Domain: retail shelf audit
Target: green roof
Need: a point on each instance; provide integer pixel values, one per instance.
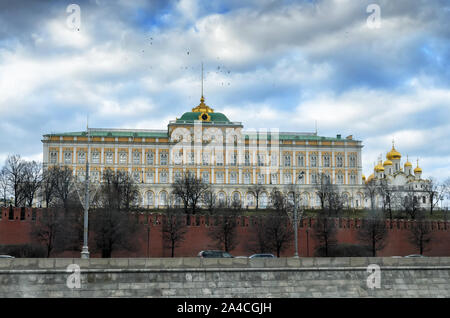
(112, 133)
(191, 116)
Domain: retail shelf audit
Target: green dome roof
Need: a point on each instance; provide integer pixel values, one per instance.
(191, 116)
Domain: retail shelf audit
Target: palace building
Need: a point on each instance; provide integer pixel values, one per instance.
(206, 143)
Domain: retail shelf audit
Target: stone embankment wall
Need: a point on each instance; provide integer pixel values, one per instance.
(238, 277)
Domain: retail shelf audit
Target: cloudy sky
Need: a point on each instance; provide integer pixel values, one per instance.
(275, 64)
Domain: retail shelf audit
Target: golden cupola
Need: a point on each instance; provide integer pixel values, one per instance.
(387, 162)
(393, 154)
(370, 178)
(417, 169)
(202, 107)
(407, 163)
(379, 167)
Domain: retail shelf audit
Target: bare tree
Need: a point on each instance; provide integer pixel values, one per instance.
(256, 190)
(259, 242)
(32, 178)
(411, 204)
(279, 231)
(189, 189)
(334, 201)
(371, 188)
(173, 229)
(49, 230)
(209, 200)
(112, 222)
(323, 189)
(434, 191)
(15, 170)
(279, 201)
(48, 186)
(421, 234)
(373, 232)
(389, 197)
(64, 185)
(4, 186)
(325, 233)
(224, 231)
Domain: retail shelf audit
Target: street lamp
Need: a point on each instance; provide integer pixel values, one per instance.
(300, 176)
(85, 249)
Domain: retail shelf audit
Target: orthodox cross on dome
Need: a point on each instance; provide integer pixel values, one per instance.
(202, 107)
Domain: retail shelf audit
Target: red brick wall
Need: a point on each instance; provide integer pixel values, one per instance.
(196, 239)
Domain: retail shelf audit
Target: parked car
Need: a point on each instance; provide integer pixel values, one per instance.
(262, 255)
(6, 256)
(415, 255)
(240, 256)
(214, 254)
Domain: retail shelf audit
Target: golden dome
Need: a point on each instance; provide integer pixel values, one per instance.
(407, 163)
(202, 107)
(370, 178)
(363, 177)
(379, 168)
(387, 163)
(393, 154)
(417, 169)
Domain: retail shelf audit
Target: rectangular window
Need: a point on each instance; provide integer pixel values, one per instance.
(261, 178)
(163, 158)
(53, 157)
(313, 160)
(68, 157)
(163, 177)
(95, 157)
(191, 158)
(233, 177)
(274, 178)
(136, 157)
(326, 161)
(287, 178)
(233, 159)
(339, 161)
(149, 177)
(274, 160)
(247, 159)
(150, 158)
(352, 161)
(287, 160)
(205, 177)
(247, 177)
(123, 158)
(81, 157)
(219, 177)
(301, 161)
(261, 160)
(109, 157)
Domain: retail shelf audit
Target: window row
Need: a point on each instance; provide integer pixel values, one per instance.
(206, 159)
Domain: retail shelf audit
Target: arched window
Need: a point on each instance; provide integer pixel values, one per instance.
(163, 198)
(263, 200)
(150, 198)
(222, 199)
(250, 199)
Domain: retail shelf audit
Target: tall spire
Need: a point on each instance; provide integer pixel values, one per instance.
(202, 107)
(202, 81)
